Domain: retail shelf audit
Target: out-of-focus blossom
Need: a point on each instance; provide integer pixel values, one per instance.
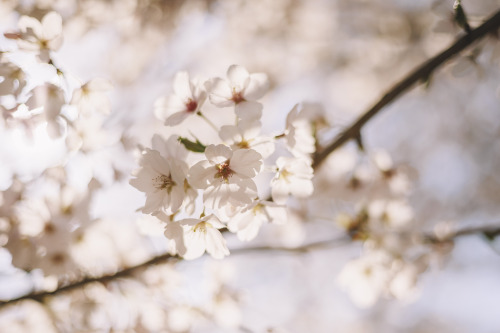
(294, 176)
(41, 36)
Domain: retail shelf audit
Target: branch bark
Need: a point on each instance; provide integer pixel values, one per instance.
(421, 73)
(164, 258)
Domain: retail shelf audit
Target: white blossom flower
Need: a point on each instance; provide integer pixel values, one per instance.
(239, 87)
(187, 99)
(246, 135)
(366, 278)
(299, 132)
(51, 98)
(198, 236)
(172, 149)
(91, 96)
(247, 222)
(294, 177)
(42, 36)
(226, 175)
(161, 180)
(13, 79)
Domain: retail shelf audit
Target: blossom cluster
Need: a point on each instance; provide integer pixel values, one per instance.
(199, 189)
(44, 211)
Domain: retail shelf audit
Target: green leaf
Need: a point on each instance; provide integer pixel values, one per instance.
(196, 147)
(460, 16)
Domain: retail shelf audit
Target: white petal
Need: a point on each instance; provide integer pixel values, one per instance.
(230, 133)
(216, 244)
(217, 154)
(176, 118)
(239, 77)
(51, 25)
(201, 174)
(28, 22)
(182, 86)
(248, 111)
(246, 163)
(257, 87)
(220, 93)
(279, 191)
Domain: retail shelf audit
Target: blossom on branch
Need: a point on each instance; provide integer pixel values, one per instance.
(162, 181)
(187, 99)
(226, 175)
(240, 86)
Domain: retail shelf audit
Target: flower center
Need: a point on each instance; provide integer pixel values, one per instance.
(191, 105)
(237, 97)
(163, 182)
(224, 171)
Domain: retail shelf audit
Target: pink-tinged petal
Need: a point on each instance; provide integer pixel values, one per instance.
(217, 154)
(257, 87)
(216, 244)
(176, 118)
(201, 174)
(51, 25)
(230, 133)
(220, 93)
(239, 77)
(248, 111)
(182, 86)
(246, 163)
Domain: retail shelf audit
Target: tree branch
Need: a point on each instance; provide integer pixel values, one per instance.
(421, 73)
(164, 258)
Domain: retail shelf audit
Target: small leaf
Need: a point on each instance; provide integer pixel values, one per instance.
(196, 147)
(460, 16)
(359, 142)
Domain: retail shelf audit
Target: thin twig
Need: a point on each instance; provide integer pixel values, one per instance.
(164, 258)
(421, 73)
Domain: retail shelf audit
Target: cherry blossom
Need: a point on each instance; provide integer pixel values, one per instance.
(200, 235)
(161, 180)
(92, 96)
(42, 36)
(247, 222)
(187, 99)
(246, 135)
(240, 86)
(226, 175)
(294, 176)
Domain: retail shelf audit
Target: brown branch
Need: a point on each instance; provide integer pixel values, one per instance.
(490, 231)
(421, 73)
